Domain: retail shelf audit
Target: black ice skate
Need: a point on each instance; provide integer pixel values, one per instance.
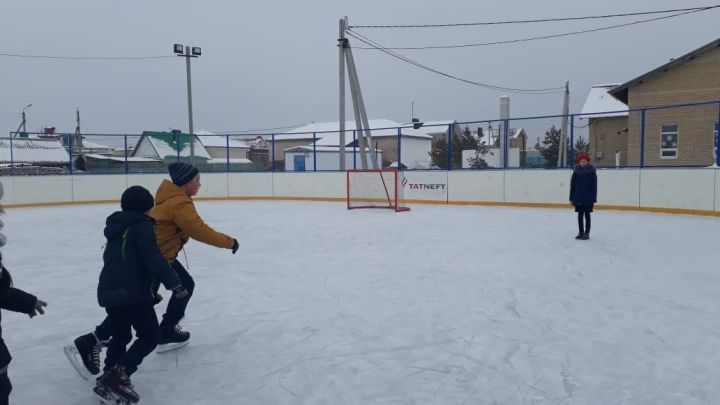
(579, 236)
(115, 388)
(173, 339)
(84, 355)
(585, 236)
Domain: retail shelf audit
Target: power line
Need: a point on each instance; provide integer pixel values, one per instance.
(537, 20)
(375, 45)
(14, 55)
(566, 34)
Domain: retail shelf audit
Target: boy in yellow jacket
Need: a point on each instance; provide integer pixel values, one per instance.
(177, 222)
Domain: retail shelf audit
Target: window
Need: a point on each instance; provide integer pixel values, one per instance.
(669, 142)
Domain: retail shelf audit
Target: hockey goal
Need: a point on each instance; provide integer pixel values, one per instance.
(376, 188)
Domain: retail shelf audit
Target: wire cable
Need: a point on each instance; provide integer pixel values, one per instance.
(566, 34)
(375, 45)
(538, 20)
(14, 55)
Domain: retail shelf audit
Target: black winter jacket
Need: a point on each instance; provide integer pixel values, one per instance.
(583, 185)
(132, 261)
(17, 301)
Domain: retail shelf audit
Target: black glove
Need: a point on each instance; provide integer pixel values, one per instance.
(38, 308)
(179, 292)
(236, 246)
(157, 298)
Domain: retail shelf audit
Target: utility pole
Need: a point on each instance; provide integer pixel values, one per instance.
(563, 147)
(24, 121)
(78, 136)
(342, 43)
(189, 52)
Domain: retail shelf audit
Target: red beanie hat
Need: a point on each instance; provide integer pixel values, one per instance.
(581, 156)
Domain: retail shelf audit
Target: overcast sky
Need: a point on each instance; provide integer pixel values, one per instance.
(275, 63)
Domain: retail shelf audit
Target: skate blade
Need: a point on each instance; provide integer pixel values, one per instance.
(171, 346)
(75, 360)
(107, 398)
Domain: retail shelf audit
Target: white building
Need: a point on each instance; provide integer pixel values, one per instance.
(304, 158)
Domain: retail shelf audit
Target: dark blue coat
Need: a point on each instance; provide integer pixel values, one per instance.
(14, 300)
(132, 261)
(583, 185)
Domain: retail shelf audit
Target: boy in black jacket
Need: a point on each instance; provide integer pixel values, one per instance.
(583, 193)
(15, 300)
(131, 263)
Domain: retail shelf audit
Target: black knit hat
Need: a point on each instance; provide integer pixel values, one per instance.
(181, 172)
(137, 199)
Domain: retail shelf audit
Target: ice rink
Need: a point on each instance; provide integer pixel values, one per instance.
(440, 305)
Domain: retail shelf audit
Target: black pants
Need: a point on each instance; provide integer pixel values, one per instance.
(175, 309)
(5, 388)
(143, 319)
(584, 227)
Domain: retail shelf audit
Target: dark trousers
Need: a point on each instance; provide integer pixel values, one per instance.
(176, 307)
(143, 319)
(5, 388)
(584, 228)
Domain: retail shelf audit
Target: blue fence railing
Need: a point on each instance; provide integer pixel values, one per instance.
(682, 135)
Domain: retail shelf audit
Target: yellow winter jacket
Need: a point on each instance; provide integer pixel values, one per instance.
(177, 221)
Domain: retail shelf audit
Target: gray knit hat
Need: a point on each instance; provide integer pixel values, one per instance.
(182, 172)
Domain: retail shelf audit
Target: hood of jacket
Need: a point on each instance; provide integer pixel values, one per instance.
(118, 222)
(167, 191)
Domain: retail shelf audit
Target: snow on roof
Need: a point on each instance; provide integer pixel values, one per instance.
(164, 145)
(600, 101)
(25, 150)
(220, 141)
(120, 158)
(94, 145)
(327, 138)
(436, 126)
(232, 160)
(324, 149)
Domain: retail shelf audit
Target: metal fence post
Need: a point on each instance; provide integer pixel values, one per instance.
(642, 138)
(571, 147)
(127, 168)
(315, 152)
(227, 152)
(12, 157)
(717, 138)
(70, 150)
(450, 137)
(354, 152)
(506, 133)
(272, 140)
(399, 147)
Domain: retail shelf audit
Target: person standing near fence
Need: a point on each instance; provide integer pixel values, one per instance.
(583, 193)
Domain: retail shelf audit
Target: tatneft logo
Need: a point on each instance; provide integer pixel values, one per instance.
(426, 186)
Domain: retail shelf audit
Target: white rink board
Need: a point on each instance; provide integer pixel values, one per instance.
(678, 188)
(293, 184)
(250, 184)
(43, 189)
(97, 188)
(426, 185)
(619, 187)
(330, 185)
(537, 186)
(213, 185)
(476, 186)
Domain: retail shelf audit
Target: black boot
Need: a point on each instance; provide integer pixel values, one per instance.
(117, 383)
(174, 335)
(579, 235)
(585, 236)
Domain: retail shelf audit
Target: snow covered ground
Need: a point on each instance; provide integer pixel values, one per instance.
(441, 305)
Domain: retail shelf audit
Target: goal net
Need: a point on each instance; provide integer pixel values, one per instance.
(376, 188)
